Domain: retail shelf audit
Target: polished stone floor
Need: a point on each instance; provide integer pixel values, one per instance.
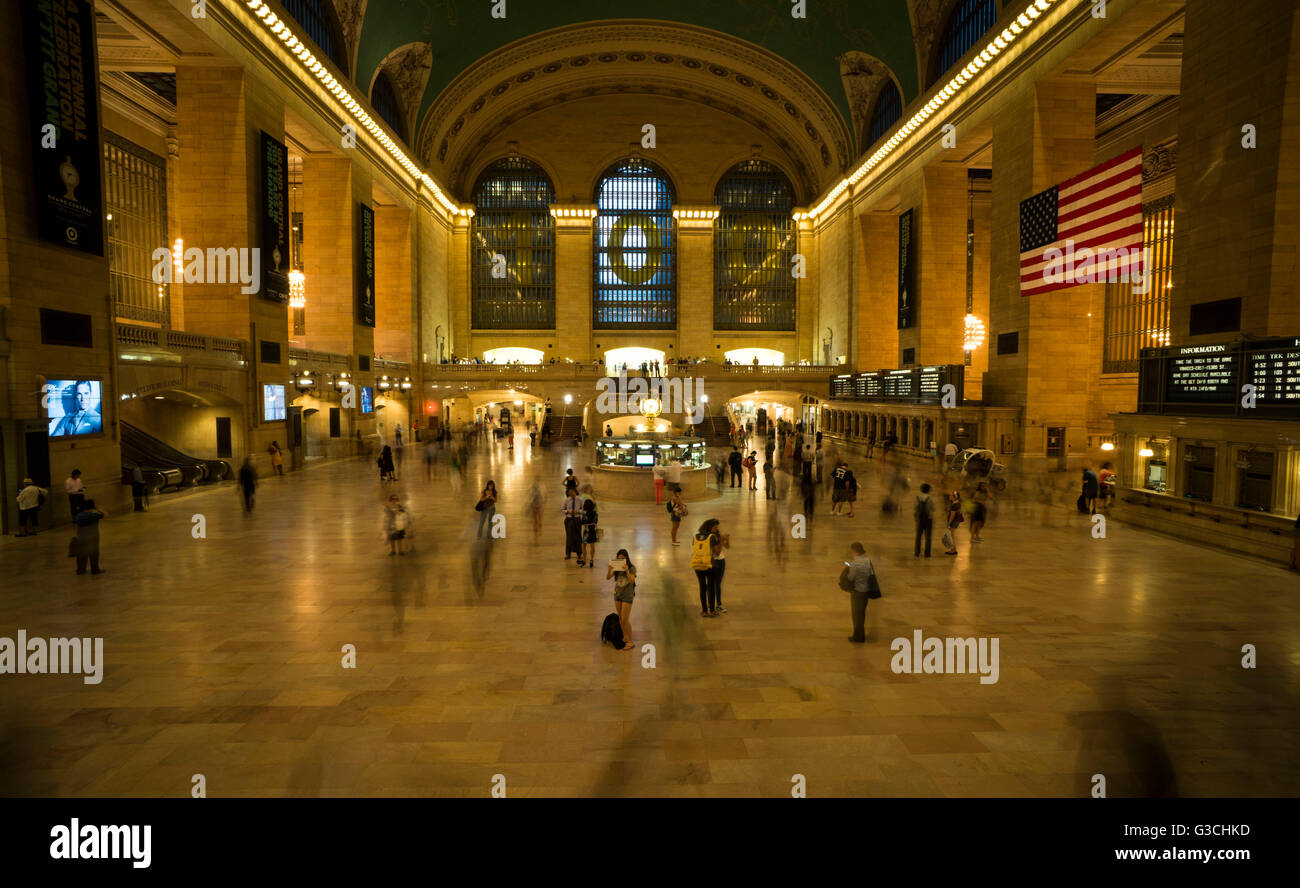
(1118, 656)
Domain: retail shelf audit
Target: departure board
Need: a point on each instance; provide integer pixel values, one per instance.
(916, 384)
(1205, 373)
(1275, 373)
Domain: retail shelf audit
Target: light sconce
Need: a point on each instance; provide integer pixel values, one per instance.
(1146, 452)
(1107, 445)
(304, 381)
(406, 383)
(385, 383)
(342, 382)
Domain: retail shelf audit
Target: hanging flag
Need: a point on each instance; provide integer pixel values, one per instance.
(1086, 230)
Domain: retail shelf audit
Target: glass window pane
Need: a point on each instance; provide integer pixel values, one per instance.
(753, 249)
(634, 260)
(512, 273)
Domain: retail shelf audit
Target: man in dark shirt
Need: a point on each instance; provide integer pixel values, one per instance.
(839, 482)
(734, 460)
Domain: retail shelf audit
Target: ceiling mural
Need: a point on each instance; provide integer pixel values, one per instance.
(462, 32)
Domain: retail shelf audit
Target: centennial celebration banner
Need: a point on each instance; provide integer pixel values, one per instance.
(275, 220)
(63, 106)
(366, 266)
(906, 271)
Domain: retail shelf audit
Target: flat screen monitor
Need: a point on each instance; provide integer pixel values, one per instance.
(272, 403)
(367, 399)
(645, 459)
(74, 407)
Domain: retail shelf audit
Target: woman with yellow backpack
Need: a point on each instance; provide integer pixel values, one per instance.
(704, 546)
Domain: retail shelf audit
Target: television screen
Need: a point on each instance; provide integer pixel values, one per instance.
(645, 459)
(272, 403)
(74, 407)
(367, 399)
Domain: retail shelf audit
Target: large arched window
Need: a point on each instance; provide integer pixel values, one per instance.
(753, 246)
(634, 255)
(383, 98)
(318, 19)
(512, 270)
(885, 113)
(966, 24)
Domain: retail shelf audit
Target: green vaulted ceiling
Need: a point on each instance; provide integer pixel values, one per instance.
(463, 31)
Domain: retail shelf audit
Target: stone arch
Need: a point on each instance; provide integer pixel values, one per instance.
(864, 76)
(408, 68)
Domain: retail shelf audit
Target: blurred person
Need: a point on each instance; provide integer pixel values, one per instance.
(769, 478)
(751, 468)
(535, 505)
(247, 483)
(862, 582)
(924, 516)
(676, 512)
(734, 461)
(86, 544)
(572, 523)
(719, 563)
(397, 525)
(486, 506)
(839, 487)
(954, 518)
(979, 512)
(590, 519)
(277, 458)
(137, 487)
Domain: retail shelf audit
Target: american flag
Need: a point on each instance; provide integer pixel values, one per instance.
(1100, 210)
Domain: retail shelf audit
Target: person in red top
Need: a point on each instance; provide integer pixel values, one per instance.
(1107, 479)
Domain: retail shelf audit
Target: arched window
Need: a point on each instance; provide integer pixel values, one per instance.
(512, 269)
(318, 19)
(634, 255)
(967, 23)
(753, 246)
(884, 113)
(383, 98)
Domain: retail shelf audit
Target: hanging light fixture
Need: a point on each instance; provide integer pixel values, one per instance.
(973, 337)
(297, 289)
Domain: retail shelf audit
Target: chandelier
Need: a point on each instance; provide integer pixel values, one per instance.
(297, 289)
(974, 334)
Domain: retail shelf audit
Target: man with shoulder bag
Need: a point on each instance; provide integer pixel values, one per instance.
(859, 579)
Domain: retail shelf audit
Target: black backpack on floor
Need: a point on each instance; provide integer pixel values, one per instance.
(611, 631)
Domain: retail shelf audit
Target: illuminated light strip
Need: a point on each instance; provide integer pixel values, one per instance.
(278, 28)
(963, 77)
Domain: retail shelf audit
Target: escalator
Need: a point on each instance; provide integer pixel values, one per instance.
(164, 465)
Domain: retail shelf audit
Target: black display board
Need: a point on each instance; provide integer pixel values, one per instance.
(906, 270)
(918, 385)
(275, 220)
(63, 92)
(1211, 378)
(366, 267)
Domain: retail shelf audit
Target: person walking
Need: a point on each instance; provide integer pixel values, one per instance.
(839, 487)
(734, 460)
(137, 487)
(808, 490)
(861, 577)
(769, 478)
(955, 518)
(623, 572)
(572, 524)
(720, 467)
(570, 482)
(871, 445)
(719, 564)
(397, 433)
(387, 471)
(851, 490)
(75, 488)
(277, 458)
(30, 498)
(702, 547)
(429, 459)
(751, 467)
(590, 537)
(86, 544)
(486, 507)
(1091, 490)
(247, 483)
(1106, 484)
(818, 457)
(676, 512)
(397, 525)
(924, 514)
(535, 506)
(979, 513)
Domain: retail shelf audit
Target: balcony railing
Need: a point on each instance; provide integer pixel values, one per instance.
(309, 357)
(180, 341)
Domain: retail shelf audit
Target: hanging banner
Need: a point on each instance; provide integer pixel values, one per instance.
(906, 271)
(275, 220)
(63, 106)
(366, 267)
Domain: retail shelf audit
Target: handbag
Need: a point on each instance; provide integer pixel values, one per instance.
(845, 583)
(480, 505)
(873, 585)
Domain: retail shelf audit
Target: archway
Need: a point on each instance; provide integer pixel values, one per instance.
(631, 357)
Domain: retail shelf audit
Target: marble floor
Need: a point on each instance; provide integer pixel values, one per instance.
(1118, 656)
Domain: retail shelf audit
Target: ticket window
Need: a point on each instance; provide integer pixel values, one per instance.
(1056, 441)
(1199, 466)
(1255, 481)
(1157, 475)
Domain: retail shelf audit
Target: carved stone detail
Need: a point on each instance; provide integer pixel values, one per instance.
(350, 13)
(863, 76)
(1159, 161)
(409, 67)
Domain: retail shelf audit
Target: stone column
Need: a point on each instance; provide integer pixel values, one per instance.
(573, 240)
(877, 295)
(394, 303)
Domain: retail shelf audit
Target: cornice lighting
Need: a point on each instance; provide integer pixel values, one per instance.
(710, 215)
(572, 212)
(1003, 40)
(312, 66)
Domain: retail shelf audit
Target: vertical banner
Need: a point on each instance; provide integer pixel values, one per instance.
(63, 106)
(366, 267)
(906, 271)
(275, 220)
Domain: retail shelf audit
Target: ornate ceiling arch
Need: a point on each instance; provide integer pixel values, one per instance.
(636, 57)
(864, 76)
(408, 66)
